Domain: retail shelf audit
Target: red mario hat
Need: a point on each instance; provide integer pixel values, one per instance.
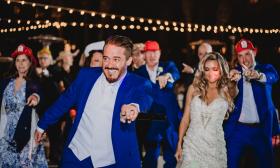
(22, 49)
(244, 44)
(151, 46)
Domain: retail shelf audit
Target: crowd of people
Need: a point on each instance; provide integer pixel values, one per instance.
(118, 108)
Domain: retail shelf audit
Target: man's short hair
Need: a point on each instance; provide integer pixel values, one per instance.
(121, 41)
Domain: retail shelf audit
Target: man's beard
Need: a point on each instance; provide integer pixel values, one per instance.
(111, 72)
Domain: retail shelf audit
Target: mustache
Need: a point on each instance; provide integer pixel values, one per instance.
(107, 68)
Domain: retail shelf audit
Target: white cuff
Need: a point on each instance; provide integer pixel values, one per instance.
(40, 130)
(262, 78)
(170, 79)
(36, 95)
(136, 105)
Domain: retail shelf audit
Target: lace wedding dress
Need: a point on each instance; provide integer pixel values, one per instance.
(204, 145)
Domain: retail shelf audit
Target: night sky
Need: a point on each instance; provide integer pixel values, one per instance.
(262, 14)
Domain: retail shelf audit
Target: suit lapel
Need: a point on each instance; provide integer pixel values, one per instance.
(259, 94)
(120, 99)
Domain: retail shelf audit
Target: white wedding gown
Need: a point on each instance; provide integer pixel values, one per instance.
(204, 144)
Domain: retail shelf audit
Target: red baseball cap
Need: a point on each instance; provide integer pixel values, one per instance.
(22, 49)
(151, 46)
(244, 44)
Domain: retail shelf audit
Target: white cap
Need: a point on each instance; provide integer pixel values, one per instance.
(98, 46)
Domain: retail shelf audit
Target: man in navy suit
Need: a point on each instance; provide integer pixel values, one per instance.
(163, 75)
(108, 101)
(254, 121)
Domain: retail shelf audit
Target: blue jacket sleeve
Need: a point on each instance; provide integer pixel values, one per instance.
(143, 96)
(275, 127)
(270, 73)
(173, 70)
(62, 105)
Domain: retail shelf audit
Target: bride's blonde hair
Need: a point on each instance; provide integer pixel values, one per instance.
(224, 85)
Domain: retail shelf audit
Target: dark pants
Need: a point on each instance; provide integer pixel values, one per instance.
(153, 151)
(69, 160)
(249, 138)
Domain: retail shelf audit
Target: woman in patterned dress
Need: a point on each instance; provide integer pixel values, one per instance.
(18, 95)
(201, 141)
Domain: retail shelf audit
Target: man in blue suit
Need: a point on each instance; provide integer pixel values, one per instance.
(163, 76)
(254, 121)
(108, 101)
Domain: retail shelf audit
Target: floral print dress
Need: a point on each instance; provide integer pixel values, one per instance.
(9, 157)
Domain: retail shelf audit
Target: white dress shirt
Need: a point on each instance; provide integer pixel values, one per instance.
(152, 73)
(249, 113)
(93, 135)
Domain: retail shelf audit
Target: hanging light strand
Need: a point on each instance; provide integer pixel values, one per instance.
(152, 23)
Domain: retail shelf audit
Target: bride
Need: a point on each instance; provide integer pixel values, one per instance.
(201, 141)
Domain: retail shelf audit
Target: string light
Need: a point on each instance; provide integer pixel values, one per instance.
(158, 22)
(103, 15)
(74, 24)
(124, 27)
(141, 20)
(131, 26)
(190, 27)
(99, 26)
(159, 25)
(132, 19)
(19, 29)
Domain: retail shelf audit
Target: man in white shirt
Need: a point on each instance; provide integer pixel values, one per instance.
(253, 121)
(108, 101)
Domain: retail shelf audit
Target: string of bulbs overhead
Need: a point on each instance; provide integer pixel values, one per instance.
(139, 23)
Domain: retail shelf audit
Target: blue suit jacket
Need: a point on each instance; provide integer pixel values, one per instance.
(165, 102)
(263, 99)
(132, 90)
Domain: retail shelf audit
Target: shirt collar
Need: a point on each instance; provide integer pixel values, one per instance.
(154, 70)
(117, 83)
